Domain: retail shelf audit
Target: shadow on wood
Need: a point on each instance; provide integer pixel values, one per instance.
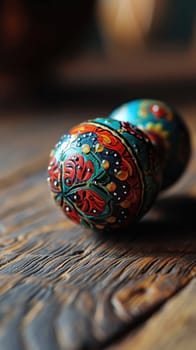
(171, 219)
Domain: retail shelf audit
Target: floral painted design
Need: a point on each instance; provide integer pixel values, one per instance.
(76, 169)
(132, 130)
(89, 202)
(54, 173)
(163, 125)
(102, 182)
(159, 110)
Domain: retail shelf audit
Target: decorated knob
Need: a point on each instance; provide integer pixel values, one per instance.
(105, 173)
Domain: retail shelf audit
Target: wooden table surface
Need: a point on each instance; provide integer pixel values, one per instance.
(63, 287)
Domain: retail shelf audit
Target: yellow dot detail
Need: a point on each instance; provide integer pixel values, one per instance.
(86, 148)
(111, 219)
(99, 147)
(143, 112)
(106, 139)
(105, 164)
(122, 175)
(111, 186)
(125, 204)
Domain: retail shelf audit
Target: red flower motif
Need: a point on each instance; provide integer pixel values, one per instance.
(158, 111)
(71, 214)
(54, 173)
(89, 202)
(76, 169)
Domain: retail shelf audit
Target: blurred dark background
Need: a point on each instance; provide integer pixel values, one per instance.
(55, 53)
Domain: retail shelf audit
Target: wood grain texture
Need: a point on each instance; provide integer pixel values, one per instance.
(171, 328)
(63, 287)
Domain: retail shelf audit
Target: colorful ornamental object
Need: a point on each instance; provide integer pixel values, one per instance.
(166, 130)
(106, 173)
